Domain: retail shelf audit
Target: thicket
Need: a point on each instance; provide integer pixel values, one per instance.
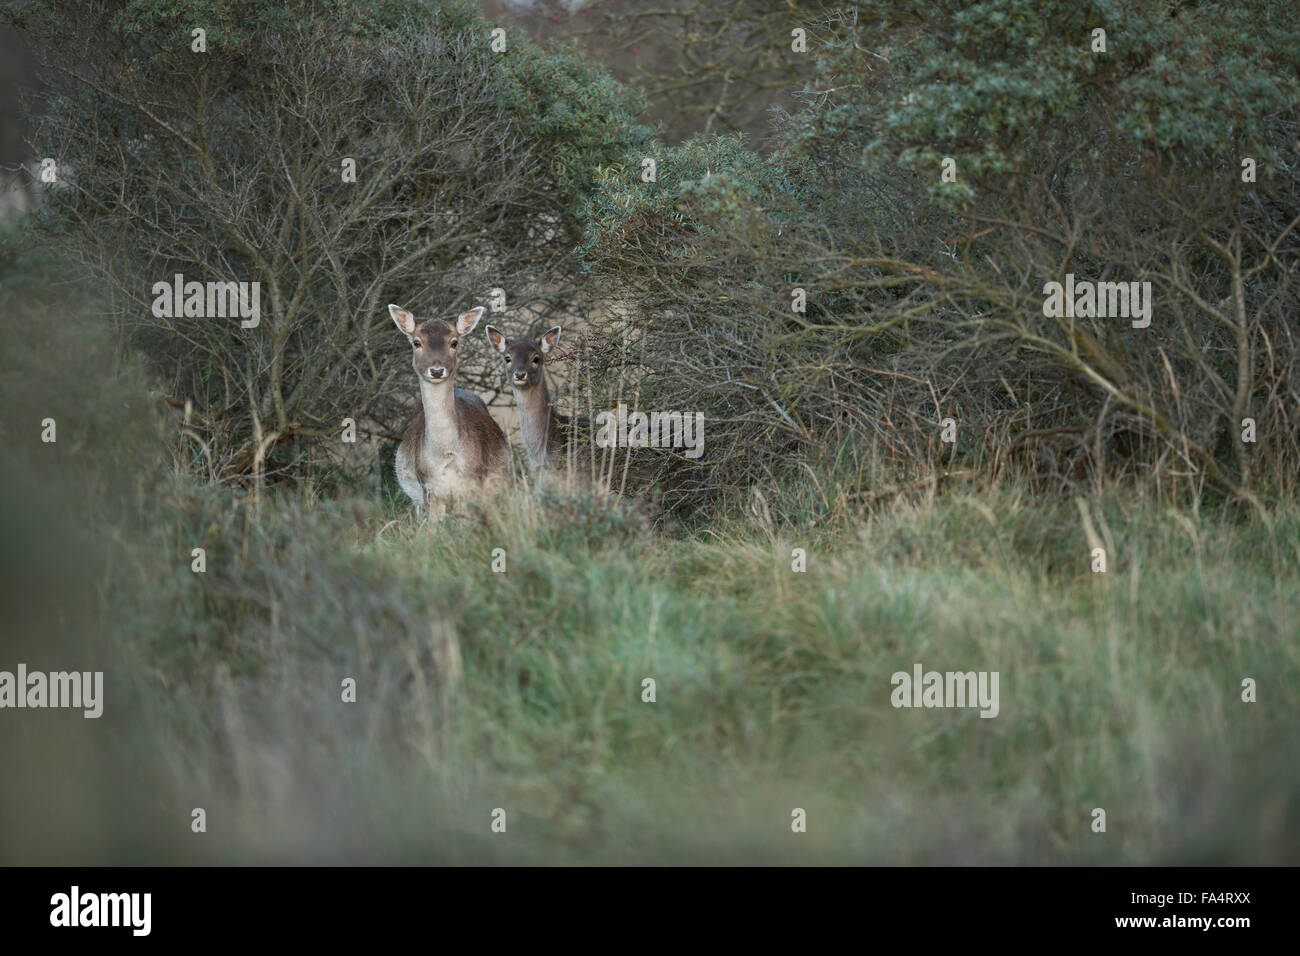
(229, 165)
(523, 171)
(924, 298)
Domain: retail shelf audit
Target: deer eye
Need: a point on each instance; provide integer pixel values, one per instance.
(537, 360)
(416, 343)
(453, 342)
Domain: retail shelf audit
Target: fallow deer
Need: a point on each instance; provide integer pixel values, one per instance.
(453, 449)
(544, 430)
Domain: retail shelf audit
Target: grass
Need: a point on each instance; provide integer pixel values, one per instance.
(522, 690)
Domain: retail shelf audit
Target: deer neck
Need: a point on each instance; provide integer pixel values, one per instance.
(441, 426)
(536, 422)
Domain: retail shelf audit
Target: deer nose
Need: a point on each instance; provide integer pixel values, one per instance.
(437, 371)
(520, 376)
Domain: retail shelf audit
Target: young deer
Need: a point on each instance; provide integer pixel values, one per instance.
(452, 449)
(545, 431)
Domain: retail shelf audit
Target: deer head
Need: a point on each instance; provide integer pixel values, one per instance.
(434, 341)
(524, 358)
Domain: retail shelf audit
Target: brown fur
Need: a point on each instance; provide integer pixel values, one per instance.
(545, 432)
(452, 449)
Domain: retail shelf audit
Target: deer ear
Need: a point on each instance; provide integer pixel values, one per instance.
(405, 321)
(497, 339)
(466, 321)
(549, 339)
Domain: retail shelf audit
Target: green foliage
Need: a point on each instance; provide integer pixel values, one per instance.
(161, 28)
(1006, 85)
(572, 105)
(585, 118)
(924, 298)
(707, 185)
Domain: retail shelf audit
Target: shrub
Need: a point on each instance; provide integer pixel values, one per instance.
(925, 298)
(229, 167)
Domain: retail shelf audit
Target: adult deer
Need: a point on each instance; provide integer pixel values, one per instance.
(452, 449)
(544, 430)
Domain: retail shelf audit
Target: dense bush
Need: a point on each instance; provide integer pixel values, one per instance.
(228, 166)
(925, 298)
